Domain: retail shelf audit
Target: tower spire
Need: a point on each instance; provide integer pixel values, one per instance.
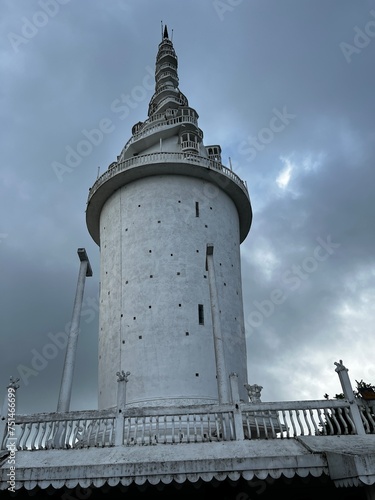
(165, 34)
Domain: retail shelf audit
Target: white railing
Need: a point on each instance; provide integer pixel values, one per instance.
(54, 430)
(164, 88)
(166, 52)
(367, 411)
(186, 425)
(181, 101)
(290, 419)
(193, 424)
(146, 131)
(165, 65)
(167, 74)
(160, 157)
(190, 145)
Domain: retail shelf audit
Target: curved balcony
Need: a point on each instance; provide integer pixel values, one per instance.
(164, 65)
(166, 54)
(190, 146)
(165, 88)
(168, 75)
(170, 123)
(166, 102)
(186, 164)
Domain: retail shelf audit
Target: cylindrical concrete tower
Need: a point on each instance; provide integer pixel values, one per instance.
(169, 219)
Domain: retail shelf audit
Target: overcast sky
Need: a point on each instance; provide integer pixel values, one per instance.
(285, 86)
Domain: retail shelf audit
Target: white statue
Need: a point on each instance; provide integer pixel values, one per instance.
(253, 392)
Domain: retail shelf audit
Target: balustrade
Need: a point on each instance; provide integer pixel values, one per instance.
(195, 424)
(165, 158)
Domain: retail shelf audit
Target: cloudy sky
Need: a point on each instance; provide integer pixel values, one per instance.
(285, 86)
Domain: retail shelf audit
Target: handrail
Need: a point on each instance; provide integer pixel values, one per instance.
(198, 423)
(165, 52)
(164, 65)
(164, 88)
(178, 100)
(165, 158)
(147, 130)
(297, 418)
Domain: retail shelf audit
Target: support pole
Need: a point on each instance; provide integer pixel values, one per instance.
(221, 373)
(71, 348)
(122, 380)
(342, 372)
(237, 415)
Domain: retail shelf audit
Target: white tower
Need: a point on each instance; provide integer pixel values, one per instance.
(169, 219)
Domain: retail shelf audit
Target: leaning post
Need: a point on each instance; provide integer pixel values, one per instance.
(342, 372)
(63, 404)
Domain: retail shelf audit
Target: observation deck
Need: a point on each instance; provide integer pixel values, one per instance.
(186, 164)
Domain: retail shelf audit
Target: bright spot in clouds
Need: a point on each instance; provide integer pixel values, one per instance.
(283, 178)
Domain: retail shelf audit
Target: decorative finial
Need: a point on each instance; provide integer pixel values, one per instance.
(122, 376)
(13, 383)
(253, 392)
(165, 35)
(340, 366)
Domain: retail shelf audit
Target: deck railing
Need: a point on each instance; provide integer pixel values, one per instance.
(167, 123)
(150, 158)
(203, 423)
(367, 412)
(61, 430)
(186, 425)
(291, 419)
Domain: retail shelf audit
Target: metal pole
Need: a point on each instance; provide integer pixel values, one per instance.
(222, 380)
(71, 348)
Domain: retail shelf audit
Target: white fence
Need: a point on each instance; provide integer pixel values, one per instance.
(204, 423)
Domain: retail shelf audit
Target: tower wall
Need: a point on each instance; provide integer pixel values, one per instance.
(153, 237)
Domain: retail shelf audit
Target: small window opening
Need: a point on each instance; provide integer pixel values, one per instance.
(197, 209)
(200, 314)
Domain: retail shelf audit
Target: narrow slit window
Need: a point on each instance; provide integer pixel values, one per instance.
(197, 209)
(200, 314)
